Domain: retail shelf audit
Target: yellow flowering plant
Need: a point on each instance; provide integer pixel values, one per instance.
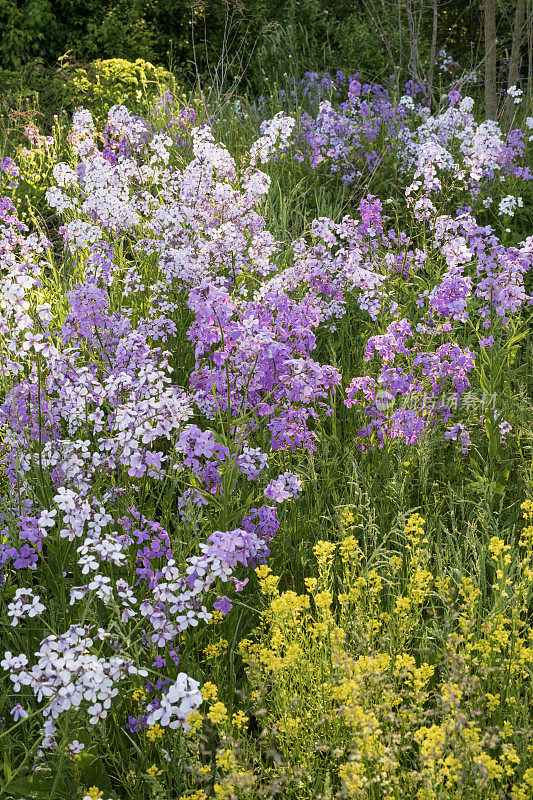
(387, 684)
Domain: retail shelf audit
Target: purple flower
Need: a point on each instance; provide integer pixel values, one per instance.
(133, 725)
(25, 557)
(285, 487)
(18, 712)
(223, 605)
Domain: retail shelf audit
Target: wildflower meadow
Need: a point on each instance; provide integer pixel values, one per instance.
(266, 504)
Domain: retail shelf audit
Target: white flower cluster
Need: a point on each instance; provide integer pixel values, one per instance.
(24, 604)
(69, 675)
(516, 93)
(408, 102)
(178, 703)
(509, 204)
(453, 141)
(275, 137)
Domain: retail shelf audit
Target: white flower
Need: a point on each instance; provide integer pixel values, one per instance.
(516, 93)
(509, 204)
(408, 102)
(275, 136)
(181, 699)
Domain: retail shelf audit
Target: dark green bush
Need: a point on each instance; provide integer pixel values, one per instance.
(97, 85)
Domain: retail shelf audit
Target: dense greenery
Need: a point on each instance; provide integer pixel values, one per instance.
(285, 35)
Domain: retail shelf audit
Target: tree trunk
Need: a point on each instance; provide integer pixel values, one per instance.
(514, 61)
(413, 47)
(491, 88)
(433, 52)
(529, 52)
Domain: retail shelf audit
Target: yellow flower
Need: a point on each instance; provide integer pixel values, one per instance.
(349, 549)
(488, 766)
(510, 759)
(94, 793)
(209, 690)
(319, 630)
(139, 695)
(404, 663)
(425, 793)
(245, 648)
(262, 572)
(239, 719)
(194, 796)
(347, 516)
(290, 725)
(353, 777)
(324, 552)
(402, 604)
(323, 599)
(270, 584)
(267, 581)
(226, 760)
(293, 654)
(526, 539)
(395, 562)
(527, 508)
(153, 772)
(214, 649)
(432, 742)
(289, 603)
(499, 550)
(217, 713)
(451, 693)
(194, 720)
(415, 525)
(154, 732)
(223, 790)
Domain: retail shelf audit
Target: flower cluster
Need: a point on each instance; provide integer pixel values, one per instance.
(345, 135)
(405, 371)
(92, 415)
(157, 397)
(332, 672)
(354, 129)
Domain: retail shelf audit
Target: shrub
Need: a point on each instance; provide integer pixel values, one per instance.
(102, 84)
(68, 85)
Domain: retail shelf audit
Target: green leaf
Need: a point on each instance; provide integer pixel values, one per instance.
(93, 773)
(38, 786)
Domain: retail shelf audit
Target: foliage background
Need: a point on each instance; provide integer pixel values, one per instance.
(323, 34)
